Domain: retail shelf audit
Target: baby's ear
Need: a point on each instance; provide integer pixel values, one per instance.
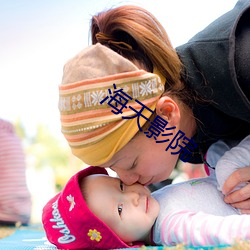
(168, 109)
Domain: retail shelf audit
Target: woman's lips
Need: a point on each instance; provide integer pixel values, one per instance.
(148, 182)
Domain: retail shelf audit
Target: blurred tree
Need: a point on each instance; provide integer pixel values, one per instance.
(45, 150)
(20, 130)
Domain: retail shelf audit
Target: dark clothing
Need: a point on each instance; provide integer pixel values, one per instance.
(217, 67)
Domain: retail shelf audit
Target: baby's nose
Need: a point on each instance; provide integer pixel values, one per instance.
(133, 198)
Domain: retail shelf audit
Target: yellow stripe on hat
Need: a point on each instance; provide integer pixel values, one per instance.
(103, 150)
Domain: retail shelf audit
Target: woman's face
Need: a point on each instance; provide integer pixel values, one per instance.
(143, 160)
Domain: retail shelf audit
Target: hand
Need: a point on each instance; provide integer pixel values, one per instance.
(241, 197)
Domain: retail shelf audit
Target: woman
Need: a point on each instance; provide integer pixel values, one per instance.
(206, 94)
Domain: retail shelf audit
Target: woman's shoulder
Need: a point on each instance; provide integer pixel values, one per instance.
(209, 65)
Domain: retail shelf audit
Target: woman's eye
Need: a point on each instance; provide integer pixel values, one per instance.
(120, 206)
(121, 186)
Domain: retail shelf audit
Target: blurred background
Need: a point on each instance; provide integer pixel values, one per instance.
(36, 40)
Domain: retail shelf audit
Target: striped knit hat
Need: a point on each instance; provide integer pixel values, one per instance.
(100, 97)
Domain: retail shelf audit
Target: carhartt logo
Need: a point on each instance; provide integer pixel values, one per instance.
(67, 237)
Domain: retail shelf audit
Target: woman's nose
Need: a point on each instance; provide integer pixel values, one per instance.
(126, 177)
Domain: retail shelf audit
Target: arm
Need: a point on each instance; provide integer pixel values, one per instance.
(235, 185)
(240, 198)
(235, 158)
(214, 153)
(201, 229)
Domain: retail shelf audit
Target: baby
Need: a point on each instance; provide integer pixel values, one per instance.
(96, 211)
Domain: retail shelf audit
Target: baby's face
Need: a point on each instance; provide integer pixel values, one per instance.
(130, 211)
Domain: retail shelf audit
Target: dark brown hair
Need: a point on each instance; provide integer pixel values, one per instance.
(136, 34)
